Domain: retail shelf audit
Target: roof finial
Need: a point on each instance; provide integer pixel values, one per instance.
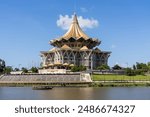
(75, 20)
(75, 5)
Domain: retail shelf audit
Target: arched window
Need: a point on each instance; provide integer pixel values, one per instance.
(71, 57)
(65, 56)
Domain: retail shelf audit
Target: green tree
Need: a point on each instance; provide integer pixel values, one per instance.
(34, 70)
(148, 64)
(16, 69)
(8, 69)
(142, 66)
(117, 67)
(24, 70)
(134, 67)
(2, 65)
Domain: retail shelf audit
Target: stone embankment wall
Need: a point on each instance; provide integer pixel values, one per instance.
(45, 78)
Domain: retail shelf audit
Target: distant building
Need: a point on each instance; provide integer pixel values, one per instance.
(16, 72)
(74, 48)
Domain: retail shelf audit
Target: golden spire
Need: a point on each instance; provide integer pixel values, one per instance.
(75, 20)
(75, 31)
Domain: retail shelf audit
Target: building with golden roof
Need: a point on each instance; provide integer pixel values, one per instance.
(74, 48)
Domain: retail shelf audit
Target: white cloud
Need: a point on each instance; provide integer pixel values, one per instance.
(65, 21)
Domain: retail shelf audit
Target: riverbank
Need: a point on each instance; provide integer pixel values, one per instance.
(44, 84)
(93, 84)
(117, 84)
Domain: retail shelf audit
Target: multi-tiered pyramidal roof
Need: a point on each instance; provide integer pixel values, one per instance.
(75, 35)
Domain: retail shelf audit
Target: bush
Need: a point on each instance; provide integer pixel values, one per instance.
(82, 68)
(139, 72)
(130, 72)
(103, 67)
(78, 68)
(74, 69)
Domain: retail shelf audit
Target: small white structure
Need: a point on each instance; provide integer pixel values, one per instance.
(85, 77)
(16, 72)
(52, 71)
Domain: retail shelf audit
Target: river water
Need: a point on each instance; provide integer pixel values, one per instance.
(90, 93)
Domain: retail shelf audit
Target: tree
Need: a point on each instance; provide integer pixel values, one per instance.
(148, 64)
(142, 66)
(138, 65)
(16, 69)
(2, 65)
(8, 69)
(34, 70)
(24, 70)
(117, 67)
(134, 67)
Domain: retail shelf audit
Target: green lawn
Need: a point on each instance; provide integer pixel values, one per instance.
(97, 77)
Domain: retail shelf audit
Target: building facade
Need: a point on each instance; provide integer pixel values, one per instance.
(74, 48)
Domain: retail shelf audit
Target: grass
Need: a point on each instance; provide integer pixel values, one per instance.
(104, 77)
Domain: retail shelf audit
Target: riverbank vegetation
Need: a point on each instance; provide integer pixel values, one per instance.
(8, 69)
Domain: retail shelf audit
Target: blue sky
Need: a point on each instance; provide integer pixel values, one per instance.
(26, 27)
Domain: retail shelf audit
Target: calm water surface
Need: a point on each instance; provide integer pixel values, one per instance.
(101, 93)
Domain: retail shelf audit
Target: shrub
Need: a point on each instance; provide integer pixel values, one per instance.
(78, 68)
(130, 72)
(139, 72)
(103, 67)
(82, 68)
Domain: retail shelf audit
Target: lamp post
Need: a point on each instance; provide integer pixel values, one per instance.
(127, 64)
(19, 66)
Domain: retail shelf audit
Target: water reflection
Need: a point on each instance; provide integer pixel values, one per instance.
(102, 93)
